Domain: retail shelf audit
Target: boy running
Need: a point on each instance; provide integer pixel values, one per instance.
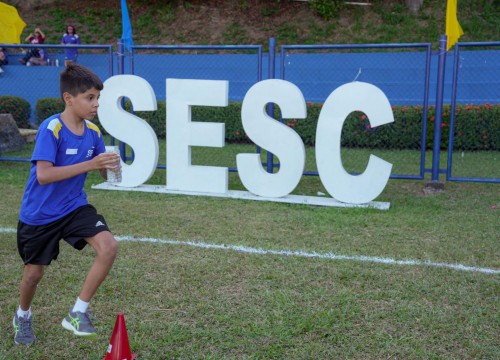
(55, 206)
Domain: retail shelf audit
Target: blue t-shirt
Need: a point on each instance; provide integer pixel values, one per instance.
(43, 54)
(70, 53)
(43, 204)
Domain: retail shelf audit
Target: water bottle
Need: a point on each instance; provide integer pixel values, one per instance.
(57, 62)
(114, 176)
(48, 62)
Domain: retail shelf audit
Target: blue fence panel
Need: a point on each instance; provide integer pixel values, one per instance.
(240, 65)
(35, 82)
(401, 71)
(232, 63)
(400, 75)
(471, 136)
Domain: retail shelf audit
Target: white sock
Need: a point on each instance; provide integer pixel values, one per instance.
(80, 305)
(22, 313)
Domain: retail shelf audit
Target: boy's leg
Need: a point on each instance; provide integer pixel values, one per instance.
(23, 331)
(106, 247)
(31, 277)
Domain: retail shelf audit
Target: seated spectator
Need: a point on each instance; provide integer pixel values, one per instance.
(43, 59)
(4, 58)
(38, 37)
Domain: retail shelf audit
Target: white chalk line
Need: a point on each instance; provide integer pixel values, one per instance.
(316, 255)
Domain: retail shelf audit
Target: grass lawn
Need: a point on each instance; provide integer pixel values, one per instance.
(190, 302)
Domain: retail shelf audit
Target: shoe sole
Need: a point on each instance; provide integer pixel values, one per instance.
(20, 343)
(67, 325)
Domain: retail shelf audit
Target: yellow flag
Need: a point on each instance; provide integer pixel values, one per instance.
(11, 25)
(453, 28)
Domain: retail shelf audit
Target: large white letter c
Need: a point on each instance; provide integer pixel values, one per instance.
(355, 189)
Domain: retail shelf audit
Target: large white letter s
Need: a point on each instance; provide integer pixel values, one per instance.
(129, 128)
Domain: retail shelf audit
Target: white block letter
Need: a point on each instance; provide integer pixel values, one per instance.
(355, 189)
(129, 128)
(273, 136)
(182, 133)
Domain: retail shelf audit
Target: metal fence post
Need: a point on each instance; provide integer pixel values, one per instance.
(121, 70)
(121, 57)
(436, 148)
(270, 107)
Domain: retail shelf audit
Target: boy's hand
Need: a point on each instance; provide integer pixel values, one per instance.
(107, 161)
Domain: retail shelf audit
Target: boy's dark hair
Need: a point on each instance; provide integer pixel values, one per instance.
(76, 79)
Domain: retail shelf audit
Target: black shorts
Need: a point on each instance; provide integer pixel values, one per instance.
(39, 244)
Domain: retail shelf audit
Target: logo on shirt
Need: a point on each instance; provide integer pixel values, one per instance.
(90, 152)
(99, 223)
(71, 151)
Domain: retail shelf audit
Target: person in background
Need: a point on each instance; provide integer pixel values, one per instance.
(36, 37)
(4, 58)
(40, 60)
(70, 37)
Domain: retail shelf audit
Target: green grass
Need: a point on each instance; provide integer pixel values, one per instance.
(470, 164)
(192, 303)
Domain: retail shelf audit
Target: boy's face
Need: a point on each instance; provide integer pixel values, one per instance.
(84, 105)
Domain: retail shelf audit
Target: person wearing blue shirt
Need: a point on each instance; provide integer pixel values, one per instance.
(55, 207)
(70, 37)
(42, 59)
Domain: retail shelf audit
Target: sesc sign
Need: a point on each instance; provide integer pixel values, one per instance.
(263, 130)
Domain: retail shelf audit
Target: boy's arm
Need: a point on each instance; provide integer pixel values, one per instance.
(47, 173)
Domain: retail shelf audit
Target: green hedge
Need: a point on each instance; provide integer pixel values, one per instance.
(19, 108)
(477, 127)
(46, 107)
(327, 9)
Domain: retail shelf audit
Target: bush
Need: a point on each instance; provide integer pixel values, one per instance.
(156, 119)
(19, 108)
(46, 107)
(230, 115)
(327, 9)
(476, 126)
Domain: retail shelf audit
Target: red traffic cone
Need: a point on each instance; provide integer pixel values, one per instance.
(119, 348)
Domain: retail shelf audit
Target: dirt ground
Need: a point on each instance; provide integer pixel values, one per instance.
(168, 22)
